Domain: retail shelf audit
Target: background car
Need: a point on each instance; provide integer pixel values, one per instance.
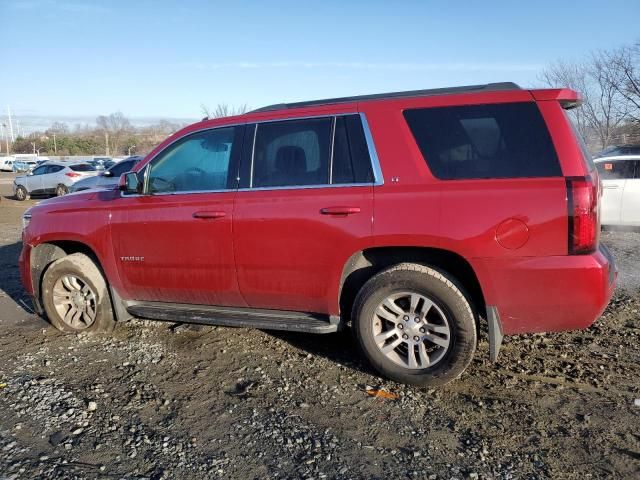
(6, 164)
(618, 150)
(24, 165)
(621, 196)
(108, 178)
(101, 163)
(52, 178)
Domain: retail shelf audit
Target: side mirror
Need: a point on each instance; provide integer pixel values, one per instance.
(130, 183)
(106, 173)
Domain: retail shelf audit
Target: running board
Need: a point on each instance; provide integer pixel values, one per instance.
(234, 317)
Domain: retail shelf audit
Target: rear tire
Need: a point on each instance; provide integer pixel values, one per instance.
(22, 194)
(75, 296)
(415, 325)
(61, 190)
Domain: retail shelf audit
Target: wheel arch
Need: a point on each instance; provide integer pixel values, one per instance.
(366, 263)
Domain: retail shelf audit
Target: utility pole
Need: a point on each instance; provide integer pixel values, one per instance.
(33, 144)
(55, 145)
(5, 135)
(131, 147)
(106, 142)
(10, 124)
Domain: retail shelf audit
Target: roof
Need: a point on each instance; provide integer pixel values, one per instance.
(616, 157)
(489, 87)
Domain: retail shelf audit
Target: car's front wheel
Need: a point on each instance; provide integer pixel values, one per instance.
(76, 297)
(61, 190)
(21, 193)
(415, 325)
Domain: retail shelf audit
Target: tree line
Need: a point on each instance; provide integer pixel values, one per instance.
(609, 81)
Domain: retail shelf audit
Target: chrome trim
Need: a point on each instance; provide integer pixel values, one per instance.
(253, 155)
(334, 120)
(375, 161)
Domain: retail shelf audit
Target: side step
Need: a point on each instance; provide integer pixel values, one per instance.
(234, 317)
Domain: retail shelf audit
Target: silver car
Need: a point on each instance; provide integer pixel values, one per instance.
(109, 178)
(51, 178)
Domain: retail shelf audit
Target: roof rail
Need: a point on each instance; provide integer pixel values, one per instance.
(489, 87)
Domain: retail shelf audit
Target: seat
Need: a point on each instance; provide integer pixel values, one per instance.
(290, 167)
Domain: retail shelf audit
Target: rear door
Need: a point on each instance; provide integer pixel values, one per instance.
(306, 206)
(631, 196)
(614, 175)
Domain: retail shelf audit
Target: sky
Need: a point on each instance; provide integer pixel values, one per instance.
(167, 58)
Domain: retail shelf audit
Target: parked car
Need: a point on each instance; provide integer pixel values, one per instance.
(618, 150)
(51, 178)
(101, 163)
(21, 165)
(107, 179)
(6, 164)
(620, 205)
(410, 215)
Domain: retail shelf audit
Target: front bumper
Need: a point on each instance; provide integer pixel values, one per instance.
(544, 294)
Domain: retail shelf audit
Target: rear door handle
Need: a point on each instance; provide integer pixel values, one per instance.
(340, 210)
(205, 214)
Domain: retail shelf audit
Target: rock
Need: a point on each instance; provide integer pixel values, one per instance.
(56, 438)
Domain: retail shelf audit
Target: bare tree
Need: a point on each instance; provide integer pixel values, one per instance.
(114, 127)
(601, 113)
(223, 110)
(621, 68)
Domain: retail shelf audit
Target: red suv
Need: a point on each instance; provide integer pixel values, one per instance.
(412, 215)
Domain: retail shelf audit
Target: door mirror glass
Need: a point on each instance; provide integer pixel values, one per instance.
(130, 183)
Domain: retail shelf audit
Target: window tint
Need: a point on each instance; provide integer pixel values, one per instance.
(616, 170)
(293, 152)
(122, 167)
(54, 168)
(40, 170)
(351, 161)
(199, 162)
(484, 141)
(82, 167)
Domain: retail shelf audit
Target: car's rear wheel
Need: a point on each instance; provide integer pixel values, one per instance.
(21, 193)
(75, 296)
(415, 325)
(61, 190)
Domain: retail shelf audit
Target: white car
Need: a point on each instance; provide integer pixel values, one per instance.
(621, 196)
(51, 178)
(6, 164)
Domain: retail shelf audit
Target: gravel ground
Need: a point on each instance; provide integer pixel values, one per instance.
(159, 400)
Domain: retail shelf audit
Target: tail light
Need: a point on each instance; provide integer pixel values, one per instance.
(73, 174)
(584, 223)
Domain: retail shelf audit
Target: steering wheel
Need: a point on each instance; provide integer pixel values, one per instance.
(159, 185)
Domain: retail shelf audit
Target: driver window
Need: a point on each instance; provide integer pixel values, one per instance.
(40, 170)
(199, 162)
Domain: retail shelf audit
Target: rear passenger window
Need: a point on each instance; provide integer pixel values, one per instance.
(292, 153)
(484, 141)
(54, 168)
(82, 167)
(616, 170)
(351, 160)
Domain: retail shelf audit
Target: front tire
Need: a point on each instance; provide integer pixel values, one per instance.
(76, 297)
(61, 190)
(415, 325)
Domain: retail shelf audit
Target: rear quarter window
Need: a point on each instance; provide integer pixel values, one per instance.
(508, 140)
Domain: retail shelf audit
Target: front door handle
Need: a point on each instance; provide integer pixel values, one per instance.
(340, 210)
(206, 214)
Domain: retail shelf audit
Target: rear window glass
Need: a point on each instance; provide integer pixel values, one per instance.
(616, 170)
(508, 140)
(82, 167)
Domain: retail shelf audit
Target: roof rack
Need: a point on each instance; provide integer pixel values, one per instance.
(489, 87)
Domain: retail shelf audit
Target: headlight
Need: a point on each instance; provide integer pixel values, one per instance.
(26, 218)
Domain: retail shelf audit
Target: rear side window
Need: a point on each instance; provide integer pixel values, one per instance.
(54, 168)
(82, 167)
(351, 160)
(508, 140)
(292, 153)
(616, 170)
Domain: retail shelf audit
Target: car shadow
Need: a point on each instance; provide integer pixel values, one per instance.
(10, 282)
(339, 347)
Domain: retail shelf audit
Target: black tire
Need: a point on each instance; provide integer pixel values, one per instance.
(21, 193)
(441, 289)
(61, 190)
(85, 270)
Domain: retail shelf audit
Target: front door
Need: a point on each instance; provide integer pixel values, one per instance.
(173, 243)
(614, 176)
(33, 182)
(307, 208)
(631, 198)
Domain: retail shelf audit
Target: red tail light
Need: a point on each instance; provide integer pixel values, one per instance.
(584, 222)
(72, 174)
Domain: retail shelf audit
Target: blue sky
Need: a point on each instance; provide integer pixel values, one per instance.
(165, 59)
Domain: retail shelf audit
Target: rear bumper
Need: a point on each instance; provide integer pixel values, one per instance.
(544, 294)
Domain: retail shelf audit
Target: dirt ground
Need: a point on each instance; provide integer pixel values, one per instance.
(159, 400)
